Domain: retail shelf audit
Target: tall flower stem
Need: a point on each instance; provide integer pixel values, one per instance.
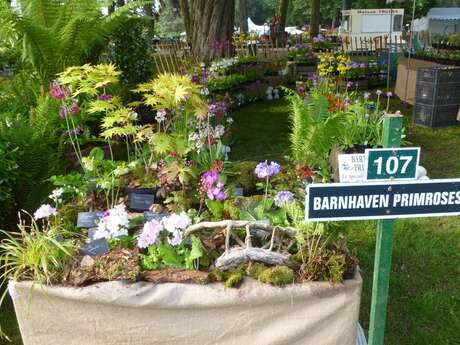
(266, 191)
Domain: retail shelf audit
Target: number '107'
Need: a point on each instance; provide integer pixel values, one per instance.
(392, 164)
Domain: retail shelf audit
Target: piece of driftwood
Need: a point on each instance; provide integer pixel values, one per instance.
(172, 275)
(290, 232)
(237, 256)
(233, 257)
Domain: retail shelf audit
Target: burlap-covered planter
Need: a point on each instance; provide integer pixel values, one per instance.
(317, 313)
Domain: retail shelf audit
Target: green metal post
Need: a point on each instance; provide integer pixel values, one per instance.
(392, 126)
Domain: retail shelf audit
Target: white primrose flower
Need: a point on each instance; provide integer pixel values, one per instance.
(114, 223)
(56, 194)
(45, 211)
(219, 131)
(229, 120)
(175, 224)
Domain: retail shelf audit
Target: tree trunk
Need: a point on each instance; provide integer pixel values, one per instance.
(185, 13)
(212, 28)
(243, 16)
(283, 10)
(315, 17)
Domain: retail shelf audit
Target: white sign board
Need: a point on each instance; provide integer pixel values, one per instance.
(376, 23)
(352, 168)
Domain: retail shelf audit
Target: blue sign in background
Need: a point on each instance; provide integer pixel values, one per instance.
(384, 188)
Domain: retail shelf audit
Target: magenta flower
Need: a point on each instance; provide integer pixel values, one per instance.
(217, 192)
(105, 97)
(63, 112)
(209, 178)
(58, 92)
(74, 109)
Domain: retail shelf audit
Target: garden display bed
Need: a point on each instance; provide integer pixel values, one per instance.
(119, 312)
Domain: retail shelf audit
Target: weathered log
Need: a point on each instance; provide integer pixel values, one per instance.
(290, 232)
(237, 256)
(172, 275)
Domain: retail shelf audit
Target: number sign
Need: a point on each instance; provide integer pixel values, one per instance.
(392, 163)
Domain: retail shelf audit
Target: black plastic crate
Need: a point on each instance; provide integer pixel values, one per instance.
(439, 75)
(435, 115)
(437, 93)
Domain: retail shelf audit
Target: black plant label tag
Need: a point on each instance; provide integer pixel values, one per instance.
(141, 202)
(95, 248)
(148, 216)
(88, 219)
(238, 191)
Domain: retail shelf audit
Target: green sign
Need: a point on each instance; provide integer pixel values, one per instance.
(392, 163)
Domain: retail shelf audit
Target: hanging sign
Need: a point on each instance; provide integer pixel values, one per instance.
(382, 200)
(392, 163)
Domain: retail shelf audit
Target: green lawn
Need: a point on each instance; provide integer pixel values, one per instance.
(424, 296)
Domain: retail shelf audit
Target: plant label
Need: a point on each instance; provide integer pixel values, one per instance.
(141, 202)
(88, 219)
(238, 191)
(95, 248)
(91, 233)
(351, 168)
(382, 200)
(148, 216)
(392, 163)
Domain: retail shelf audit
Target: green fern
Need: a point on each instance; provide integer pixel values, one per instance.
(314, 131)
(60, 33)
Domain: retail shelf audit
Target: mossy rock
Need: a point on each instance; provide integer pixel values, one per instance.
(245, 176)
(277, 275)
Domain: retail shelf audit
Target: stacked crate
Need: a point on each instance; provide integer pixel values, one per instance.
(437, 97)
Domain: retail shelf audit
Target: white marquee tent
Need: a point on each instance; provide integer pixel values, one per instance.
(439, 21)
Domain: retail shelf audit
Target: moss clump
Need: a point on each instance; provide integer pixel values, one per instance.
(277, 275)
(234, 280)
(216, 276)
(245, 176)
(255, 269)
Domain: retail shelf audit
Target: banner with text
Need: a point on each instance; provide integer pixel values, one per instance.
(384, 200)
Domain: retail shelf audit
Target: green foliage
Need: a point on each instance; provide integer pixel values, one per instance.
(364, 127)
(314, 131)
(164, 255)
(131, 51)
(243, 175)
(228, 82)
(56, 34)
(34, 253)
(32, 152)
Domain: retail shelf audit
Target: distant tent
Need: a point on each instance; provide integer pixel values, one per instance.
(439, 21)
(259, 29)
(292, 30)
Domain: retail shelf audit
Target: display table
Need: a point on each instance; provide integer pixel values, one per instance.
(166, 314)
